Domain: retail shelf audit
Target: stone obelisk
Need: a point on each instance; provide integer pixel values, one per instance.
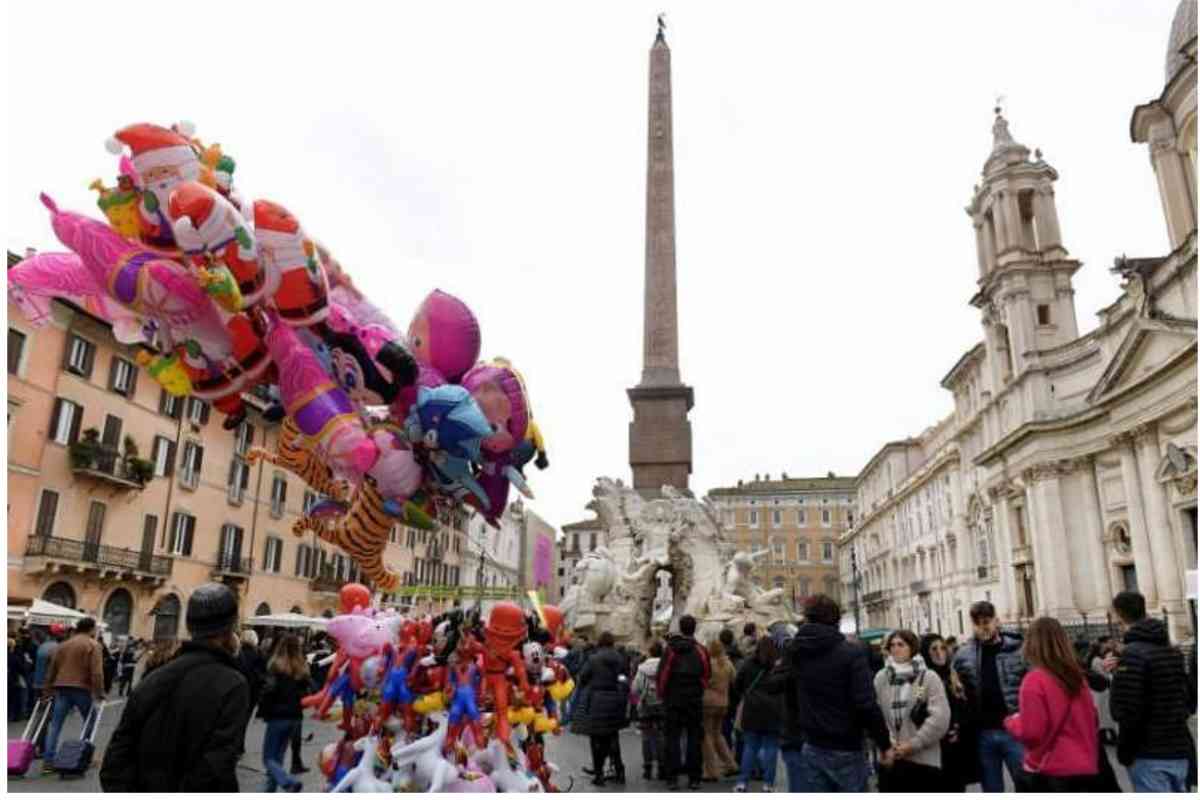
(660, 436)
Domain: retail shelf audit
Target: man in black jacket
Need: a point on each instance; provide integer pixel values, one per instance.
(184, 723)
(682, 678)
(991, 666)
(1152, 698)
(834, 704)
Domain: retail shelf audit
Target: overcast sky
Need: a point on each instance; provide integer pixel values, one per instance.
(823, 153)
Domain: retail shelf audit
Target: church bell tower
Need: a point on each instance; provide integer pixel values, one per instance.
(1025, 290)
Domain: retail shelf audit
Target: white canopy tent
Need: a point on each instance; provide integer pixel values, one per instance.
(287, 619)
(43, 612)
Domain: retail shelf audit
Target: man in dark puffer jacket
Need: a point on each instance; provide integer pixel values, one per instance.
(183, 725)
(682, 678)
(834, 704)
(1152, 698)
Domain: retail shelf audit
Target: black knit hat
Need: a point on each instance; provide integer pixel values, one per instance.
(212, 610)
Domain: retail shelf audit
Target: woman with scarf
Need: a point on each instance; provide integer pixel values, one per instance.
(958, 746)
(917, 712)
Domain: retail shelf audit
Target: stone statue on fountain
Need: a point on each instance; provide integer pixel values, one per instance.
(678, 535)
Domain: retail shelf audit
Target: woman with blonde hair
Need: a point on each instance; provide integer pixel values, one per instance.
(287, 682)
(1056, 718)
(718, 760)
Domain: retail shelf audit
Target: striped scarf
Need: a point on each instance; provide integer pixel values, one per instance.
(902, 677)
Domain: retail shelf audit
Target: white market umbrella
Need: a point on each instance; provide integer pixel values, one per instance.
(43, 612)
(287, 619)
(18, 612)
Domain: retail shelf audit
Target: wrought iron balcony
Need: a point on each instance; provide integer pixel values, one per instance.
(873, 597)
(919, 587)
(327, 583)
(108, 466)
(45, 551)
(233, 566)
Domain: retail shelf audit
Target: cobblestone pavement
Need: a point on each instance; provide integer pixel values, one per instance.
(570, 752)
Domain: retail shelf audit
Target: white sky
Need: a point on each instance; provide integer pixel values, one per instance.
(824, 154)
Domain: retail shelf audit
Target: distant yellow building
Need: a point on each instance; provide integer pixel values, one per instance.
(795, 523)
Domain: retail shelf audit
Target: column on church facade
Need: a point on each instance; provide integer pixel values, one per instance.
(1002, 539)
(1143, 558)
(1012, 220)
(1046, 218)
(1163, 541)
(1101, 585)
(1177, 198)
(982, 246)
(1000, 221)
(1061, 601)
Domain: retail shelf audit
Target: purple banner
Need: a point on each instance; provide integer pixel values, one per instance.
(543, 561)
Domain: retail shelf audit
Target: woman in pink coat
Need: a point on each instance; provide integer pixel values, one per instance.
(1056, 720)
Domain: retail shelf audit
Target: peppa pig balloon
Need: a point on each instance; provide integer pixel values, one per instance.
(444, 334)
(354, 597)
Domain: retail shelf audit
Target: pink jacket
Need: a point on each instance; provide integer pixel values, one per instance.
(1043, 705)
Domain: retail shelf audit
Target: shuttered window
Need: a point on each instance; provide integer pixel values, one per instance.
(122, 377)
(66, 421)
(47, 512)
(16, 349)
(80, 356)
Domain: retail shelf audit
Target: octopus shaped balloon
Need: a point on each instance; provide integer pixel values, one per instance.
(144, 281)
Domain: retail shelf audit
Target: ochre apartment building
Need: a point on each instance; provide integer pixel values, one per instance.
(91, 534)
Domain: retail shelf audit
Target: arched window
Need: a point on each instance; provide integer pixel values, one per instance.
(327, 613)
(118, 611)
(61, 594)
(166, 618)
(262, 610)
(297, 610)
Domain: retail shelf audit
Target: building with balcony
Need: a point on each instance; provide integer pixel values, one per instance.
(793, 525)
(1066, 471)
(122, 498)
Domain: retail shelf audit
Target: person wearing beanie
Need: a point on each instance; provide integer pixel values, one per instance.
(183, 726)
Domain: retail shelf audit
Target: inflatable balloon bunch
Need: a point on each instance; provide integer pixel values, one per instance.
(454, 703)
(232, 295)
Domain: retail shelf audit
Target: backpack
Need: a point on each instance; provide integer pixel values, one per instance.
(649, 703)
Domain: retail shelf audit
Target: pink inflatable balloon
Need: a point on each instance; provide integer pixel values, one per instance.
(320, 409)
(396, 472)
(144, 281)
(444, 334)
(500, 396)
(37, 280)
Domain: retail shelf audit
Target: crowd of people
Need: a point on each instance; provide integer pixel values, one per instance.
(925, 714)
(216, 683)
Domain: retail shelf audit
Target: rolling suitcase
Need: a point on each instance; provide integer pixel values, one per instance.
(21, 751)
(74, 758)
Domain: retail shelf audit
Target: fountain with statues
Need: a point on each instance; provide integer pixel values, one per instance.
(675, 534)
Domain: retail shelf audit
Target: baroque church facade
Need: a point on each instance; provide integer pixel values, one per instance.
(1067, 469)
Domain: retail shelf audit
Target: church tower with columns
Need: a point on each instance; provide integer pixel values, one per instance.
(1025, 290)
(660, 436)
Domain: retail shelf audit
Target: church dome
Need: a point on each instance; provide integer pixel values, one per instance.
(1183, 30)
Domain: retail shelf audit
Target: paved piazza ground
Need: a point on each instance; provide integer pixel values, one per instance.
(568, 751)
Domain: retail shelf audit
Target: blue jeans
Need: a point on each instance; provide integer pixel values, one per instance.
(791, 762)
(275, 745)
(763, 748)
(997, 748)
(824, 770)
(1159, 774)
(65, 699)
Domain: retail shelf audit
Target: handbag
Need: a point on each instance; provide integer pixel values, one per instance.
(920, 709)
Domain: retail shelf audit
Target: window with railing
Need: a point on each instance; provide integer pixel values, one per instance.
(189, 469)
(66, 422)
(80, 356)
(272, 554)
(229, 556)
(238, 482)
(183, 527)
(278, 495)
(122, 376)
(163, 455)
